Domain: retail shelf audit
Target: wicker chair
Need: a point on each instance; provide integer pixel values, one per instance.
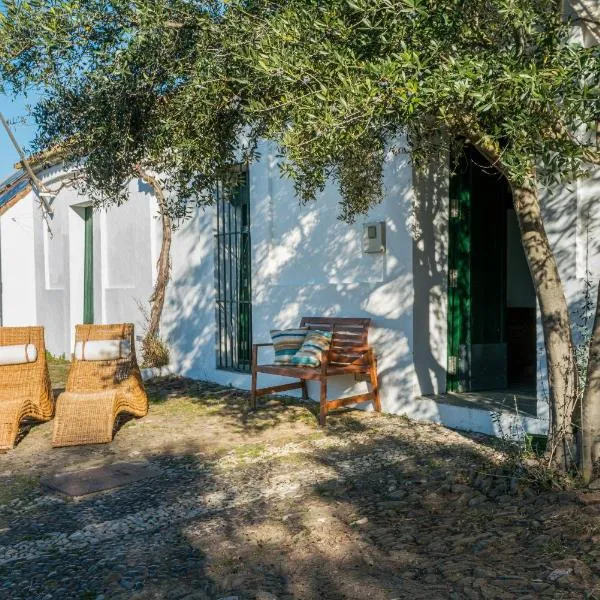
(25, 389)
(98, 391)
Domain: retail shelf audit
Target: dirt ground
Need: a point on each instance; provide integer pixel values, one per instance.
(267, 505)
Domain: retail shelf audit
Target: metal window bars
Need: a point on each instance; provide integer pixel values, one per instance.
(233, 274)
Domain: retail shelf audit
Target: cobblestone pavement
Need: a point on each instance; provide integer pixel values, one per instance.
(266, 505)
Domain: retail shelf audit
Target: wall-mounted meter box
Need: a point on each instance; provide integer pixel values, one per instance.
(374, 238)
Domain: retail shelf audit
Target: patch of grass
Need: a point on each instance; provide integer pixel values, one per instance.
(16, 487)
(536, 444)
(301, 415)
(553, 548)
(51, 358)
(434, 463)
(58, 367)
(155, 352)
(346, 422)
(250, 450)
(188, 406)
(297, 458)
(316, 435)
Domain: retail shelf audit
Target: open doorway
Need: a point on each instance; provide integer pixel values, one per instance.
(491, 298)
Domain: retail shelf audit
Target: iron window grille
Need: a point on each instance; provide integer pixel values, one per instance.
(233, 274)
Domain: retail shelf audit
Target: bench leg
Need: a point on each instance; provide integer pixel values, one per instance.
(323, 411)
(374, 384)
(304, 390)
(253, 392)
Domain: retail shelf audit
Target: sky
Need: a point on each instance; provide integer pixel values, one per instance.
(14, 110)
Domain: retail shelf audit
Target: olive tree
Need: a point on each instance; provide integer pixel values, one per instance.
(348, 77)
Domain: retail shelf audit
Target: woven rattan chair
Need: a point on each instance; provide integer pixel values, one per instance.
(25, 389)
(98, 391)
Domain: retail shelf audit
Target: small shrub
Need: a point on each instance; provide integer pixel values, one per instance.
(155, 352)
(51, 358)
(526, 462)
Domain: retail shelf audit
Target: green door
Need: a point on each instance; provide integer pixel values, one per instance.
(88, 267)
(459, 276)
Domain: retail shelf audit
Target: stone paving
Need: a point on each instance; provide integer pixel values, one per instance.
(267, 506)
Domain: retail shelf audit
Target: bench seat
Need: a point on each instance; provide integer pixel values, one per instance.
(308, 372)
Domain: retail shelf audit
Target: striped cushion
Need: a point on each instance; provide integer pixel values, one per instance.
(286, 342)
(316, 343)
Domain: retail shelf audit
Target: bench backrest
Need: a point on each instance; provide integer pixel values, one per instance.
(350, 340)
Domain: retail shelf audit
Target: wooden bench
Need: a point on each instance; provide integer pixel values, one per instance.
(349, 353)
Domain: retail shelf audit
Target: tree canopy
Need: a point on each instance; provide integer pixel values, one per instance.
(176, 85)
(126, 85)
(353, 75)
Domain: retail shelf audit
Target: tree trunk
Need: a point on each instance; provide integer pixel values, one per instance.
(163, 266)
(556, 324)
(590, 405)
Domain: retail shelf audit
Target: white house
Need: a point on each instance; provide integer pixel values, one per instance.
(442, 321)
(45, 276)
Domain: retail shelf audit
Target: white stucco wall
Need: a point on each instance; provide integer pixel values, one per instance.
(304, 262)
(586, 17)
(428, 226)
(127, 258)
(123, 262)
(18, 264)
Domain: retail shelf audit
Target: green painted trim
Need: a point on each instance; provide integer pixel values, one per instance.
(88, 267)
(459, 276)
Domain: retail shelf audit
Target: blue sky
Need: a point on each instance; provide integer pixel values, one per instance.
(14, 110)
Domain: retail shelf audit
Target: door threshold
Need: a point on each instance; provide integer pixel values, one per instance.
(522, 402)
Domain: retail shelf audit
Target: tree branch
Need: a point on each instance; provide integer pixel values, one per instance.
(163, 265)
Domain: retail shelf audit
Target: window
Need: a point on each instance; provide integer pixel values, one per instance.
(232, 274)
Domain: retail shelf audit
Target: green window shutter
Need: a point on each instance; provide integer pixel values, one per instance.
(88, 267)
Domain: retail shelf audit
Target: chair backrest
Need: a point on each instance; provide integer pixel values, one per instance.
(96, 375)
(25, 379)
(350, 339)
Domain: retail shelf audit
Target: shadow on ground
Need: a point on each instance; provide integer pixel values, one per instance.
(263, 505)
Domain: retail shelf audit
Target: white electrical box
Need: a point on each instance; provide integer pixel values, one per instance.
(374, 238)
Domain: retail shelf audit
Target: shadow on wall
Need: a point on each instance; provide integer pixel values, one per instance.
(189, 313)
(430, 259)
(306, 262)
(586, 13)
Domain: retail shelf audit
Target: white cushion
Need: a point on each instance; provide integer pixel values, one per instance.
(18, 354)
(102, 349)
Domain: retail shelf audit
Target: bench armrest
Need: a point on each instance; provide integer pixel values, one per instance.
(255, 348)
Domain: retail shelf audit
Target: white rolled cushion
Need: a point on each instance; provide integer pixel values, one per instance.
(102, 349)
(18, 354)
